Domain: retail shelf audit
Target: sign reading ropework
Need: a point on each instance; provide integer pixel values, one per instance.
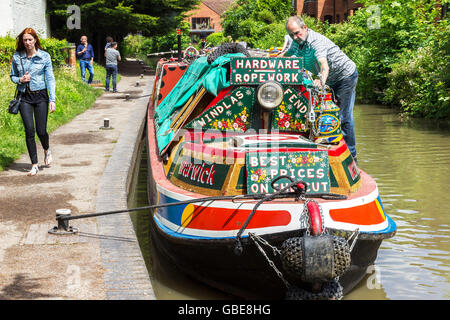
(308, 166)
(256, 70)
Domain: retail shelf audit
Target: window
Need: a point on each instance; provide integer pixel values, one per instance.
(310, 8)
(201, 23)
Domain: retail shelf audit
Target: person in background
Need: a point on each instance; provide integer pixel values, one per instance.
(112, 56)
(85, 53)
(109, 40)
(32, 70)
(324, 58)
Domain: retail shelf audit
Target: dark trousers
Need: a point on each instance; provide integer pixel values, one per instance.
(111, 71)
(345, 91)
(40, 112)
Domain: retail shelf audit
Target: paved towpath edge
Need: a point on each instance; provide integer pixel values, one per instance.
(125, 275)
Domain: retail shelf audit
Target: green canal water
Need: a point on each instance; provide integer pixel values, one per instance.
(410, 160)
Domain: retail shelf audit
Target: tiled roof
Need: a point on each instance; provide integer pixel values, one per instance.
(218, 6)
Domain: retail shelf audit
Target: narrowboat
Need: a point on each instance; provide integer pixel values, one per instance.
(257, 192)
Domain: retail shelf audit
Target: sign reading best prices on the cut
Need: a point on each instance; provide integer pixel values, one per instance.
(311, 167)
(256, 70)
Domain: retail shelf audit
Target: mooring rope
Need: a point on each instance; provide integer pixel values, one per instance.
(265, 197)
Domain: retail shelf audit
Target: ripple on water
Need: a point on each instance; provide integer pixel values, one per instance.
(410, 162)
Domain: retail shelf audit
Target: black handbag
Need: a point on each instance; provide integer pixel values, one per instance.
(14, 104)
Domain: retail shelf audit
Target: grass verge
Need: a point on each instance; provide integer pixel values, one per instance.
(72, 98)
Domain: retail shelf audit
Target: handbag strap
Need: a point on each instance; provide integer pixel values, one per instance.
(17, 90)
(21, 63)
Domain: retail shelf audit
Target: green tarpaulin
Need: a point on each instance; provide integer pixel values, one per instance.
(213, 77)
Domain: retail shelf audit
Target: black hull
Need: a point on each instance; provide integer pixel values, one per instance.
(248, 275)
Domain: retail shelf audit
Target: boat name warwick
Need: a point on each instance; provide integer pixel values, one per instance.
(196, 172)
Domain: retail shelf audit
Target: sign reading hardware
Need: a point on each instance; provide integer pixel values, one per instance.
(257, 70)
(309, 166)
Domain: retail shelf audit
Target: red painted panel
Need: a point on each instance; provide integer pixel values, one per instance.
(208, 218)
(172, 72)
(365, 215)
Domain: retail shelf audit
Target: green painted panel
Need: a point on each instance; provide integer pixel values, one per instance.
(232, 113)
(311, 167)
(290, 115)
(200, 173)
(351, 170)
(256, 70)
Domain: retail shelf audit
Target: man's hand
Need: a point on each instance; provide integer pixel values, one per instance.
(318, 84)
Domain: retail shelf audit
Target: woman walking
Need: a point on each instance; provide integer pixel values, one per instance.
(32, 70)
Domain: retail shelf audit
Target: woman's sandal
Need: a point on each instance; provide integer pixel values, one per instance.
(34, 170)
(48, 159)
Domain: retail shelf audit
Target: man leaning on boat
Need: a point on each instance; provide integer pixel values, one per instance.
(324, 58)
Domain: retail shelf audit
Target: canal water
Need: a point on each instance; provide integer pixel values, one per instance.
(410, 160)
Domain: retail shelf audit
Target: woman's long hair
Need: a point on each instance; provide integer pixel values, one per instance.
(19, 41)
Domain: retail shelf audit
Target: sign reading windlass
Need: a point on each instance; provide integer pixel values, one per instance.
(256, 70)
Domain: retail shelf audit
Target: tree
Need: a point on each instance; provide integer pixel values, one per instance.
(116, 18)
(256, 21)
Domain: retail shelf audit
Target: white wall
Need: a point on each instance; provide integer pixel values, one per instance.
(16, 15)
(6, 18)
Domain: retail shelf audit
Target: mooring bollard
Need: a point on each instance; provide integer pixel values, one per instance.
(63, 226)
(105, 124)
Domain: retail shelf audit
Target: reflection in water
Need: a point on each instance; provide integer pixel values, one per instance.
(410, 161)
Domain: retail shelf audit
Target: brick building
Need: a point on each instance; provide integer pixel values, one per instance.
(205, 19)
(333, 11)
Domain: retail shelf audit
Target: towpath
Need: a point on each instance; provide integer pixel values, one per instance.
(90, 173)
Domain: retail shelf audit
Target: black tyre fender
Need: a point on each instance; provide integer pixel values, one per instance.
(229, 47)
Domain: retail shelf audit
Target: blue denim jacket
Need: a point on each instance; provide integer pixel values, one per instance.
(39, 67)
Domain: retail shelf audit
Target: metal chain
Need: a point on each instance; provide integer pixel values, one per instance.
(271, 263)
(275, 250)
(305, 219)
(356, 235)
